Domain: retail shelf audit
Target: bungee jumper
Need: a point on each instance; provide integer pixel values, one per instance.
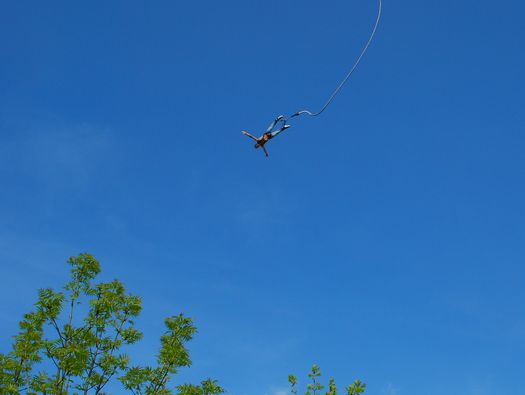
(270, 133)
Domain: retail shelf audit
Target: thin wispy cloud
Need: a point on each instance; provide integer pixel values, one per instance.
(391, 389)
(61, 156)
(277, 391)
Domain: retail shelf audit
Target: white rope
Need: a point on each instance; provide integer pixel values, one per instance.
(343, 82)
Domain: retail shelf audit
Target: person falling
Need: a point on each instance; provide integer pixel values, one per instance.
(269, 134)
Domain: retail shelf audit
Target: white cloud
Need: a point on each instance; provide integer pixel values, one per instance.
(71, 154)
(277, 391)
(51, 153)
(391, 389)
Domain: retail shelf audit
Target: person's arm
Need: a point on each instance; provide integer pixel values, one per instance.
(249, 135)
(264, 148)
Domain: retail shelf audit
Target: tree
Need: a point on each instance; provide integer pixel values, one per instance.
(315, 387)
(58, 353)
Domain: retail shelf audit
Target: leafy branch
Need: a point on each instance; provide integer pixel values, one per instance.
(87, 353)
(315, 387)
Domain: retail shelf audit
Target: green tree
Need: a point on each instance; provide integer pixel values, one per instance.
(58, 353)
(315, 387)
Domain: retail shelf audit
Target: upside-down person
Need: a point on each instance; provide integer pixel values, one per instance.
(268, 135)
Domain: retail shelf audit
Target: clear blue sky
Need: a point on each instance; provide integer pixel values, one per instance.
(384, 240)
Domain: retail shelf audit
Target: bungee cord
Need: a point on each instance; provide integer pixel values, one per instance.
(273, 130)
(348, 75)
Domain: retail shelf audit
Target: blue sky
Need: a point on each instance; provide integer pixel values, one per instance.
(384, 240)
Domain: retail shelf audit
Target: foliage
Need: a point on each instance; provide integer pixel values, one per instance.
(315, 387)
(58, 353)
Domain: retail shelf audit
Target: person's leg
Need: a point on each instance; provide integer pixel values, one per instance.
(272, 125)
(282, 129)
